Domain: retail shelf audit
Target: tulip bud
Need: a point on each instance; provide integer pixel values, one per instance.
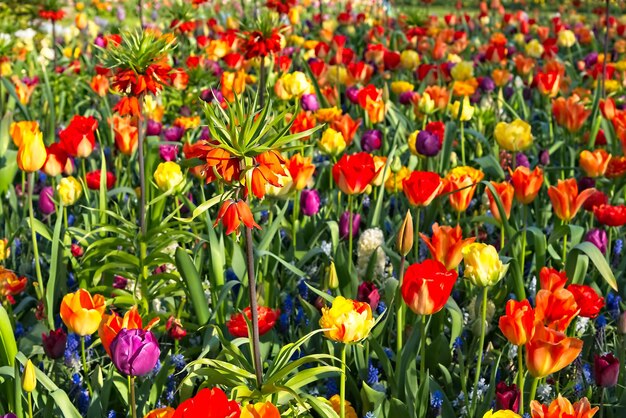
(396, 165)
(29, 381)
(606, 370)
(333, 279)
(405, 235)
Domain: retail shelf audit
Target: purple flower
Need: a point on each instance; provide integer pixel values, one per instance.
(371, 140)
(507, 397)
(46, 205)
(119, 282)
(544, 157)
(175, 133)
(9, 415)
(54, 343)
(99, 41)
(168, 152)
(521, 160)
(309, 202)
(121, 13)
(368, 292)
(586, 183)
(209, 95)
(598, 238)
(606, 370)
(427, 143)
(135, 352)
(406, 97)
(205, 134)
(153, 128)
(591, 59)
(352, 93)
(309, 102)
(487, 84)
(344, 224)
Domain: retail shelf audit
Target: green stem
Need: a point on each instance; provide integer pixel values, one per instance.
(462, 143)
(400, 311)
(31, 214)
(564, 248)
(342, 387)
(294, 222)
(533, 389)
(350, 233)
(602, 402)
(523, 255)
(131, 387)
(256, 342)
(30, 405)
(84, 359)
(423, 349)
(520, 377)
(481, 344)
(416, 233)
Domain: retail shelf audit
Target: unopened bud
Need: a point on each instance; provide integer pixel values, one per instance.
(405, 235)
(333, 279)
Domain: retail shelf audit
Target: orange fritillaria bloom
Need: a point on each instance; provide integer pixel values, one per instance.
(550, 351)
(563, 408)
(566, 200)
(233, 213)
(446, 244)
(269, 165)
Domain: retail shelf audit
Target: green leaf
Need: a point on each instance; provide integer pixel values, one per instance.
(598, 260)
(57, 267)
(194, 285)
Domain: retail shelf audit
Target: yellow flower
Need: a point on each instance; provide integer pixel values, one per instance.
(394, 182)
(328, 114)
(514, 136)
(296, 84)
(337, 74)
(467, 109)
(166, 412)
(168, 176)
(399, 87)
(409, 59)
(29, 380)
(379, 165)
(534, 48)
(482, 264)
(5, 250)
(426, 104)
(69, 190)
(462, 71)
(332, 142)
(31, 153)
(501, 414)
(335, 402)
(411, 142)
(347, 321)
(567, 38)
(5, 68)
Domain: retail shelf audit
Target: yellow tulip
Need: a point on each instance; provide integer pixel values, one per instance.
(168, 176)
(467, 110)
(5, 250)
(296, 84)
(462, 71)
(482, 264)
(399, 87)
(426, 104)
(567, 38)
(411, 142)
(332, 142)
(347, 321)
(534, 49)
(514, 136)
(69, 190)
(29, 380)
(409, 59)
(501, 414)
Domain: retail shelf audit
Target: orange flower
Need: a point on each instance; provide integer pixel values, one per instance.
(446, 245)
(23, 90)
(500, 77)
(56, 160)
(505, 192)
(465, 88)
(461, 183)
(548, 83)
(303, 122)
(566, 200)
(550, 351)
(518, 323)
(570, 113)
(10, 284)
(562, 408)
(269, 165)
(557, 309)
(523, 65)
(594, 163)
(233, 83)
(127, 106)
(100, 84)
(375, 110)
(218, 161)
(166, 412)
(126, 134)
(439, 95)
(301, 170)
(607, 107)
(232, 214)
(552, 279)
(260, 410)
(347, 126)
(82, 313)
(616, 167)
(111, 325)
(526, 183)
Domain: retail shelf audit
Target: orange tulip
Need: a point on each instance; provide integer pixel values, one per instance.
(562, 408)
(500, 77)
(518, 323)
(570, 113)
(111, 325)
(82, 313)
(548, 83)
(446, 245)
(301, 170)
(126, 134)
(526, 183)
(505, 192)
(461, 183)
(347, 126)
(260, 410)
(556, 309)
(439, 95)
(523, 65)
(566, 200)
(166, 412)
(552, 279)
(550, 351)
(607, 107)
(100, 84)
(594, 163)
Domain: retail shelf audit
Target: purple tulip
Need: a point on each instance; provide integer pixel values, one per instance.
(598, 238)
(371, 140)
(368, 292)
(168, 152)
(407, 97)
(507, 397)
(544, 157)
(9, 415)
(309, 102)
(309, 202)
(591, 59)
(586, 183)
(606, 370)
(344, 224)
(521, 160)
(54, 343)
(153, 128)
(99, 41)
(119, 282)
(209, 95)
(487, 84)
(121, 13)
(427, 143)
(175, 133)
(135, 352)
(352, 93)
(46, 205)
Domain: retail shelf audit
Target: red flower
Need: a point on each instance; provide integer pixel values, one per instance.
(238, 327)
(93, 180)
(257, 45)
(281, 6)
(552, 279)
(232, 214)
(610, 215)
(369, 91)
(391, 60)
(78, 138)
(557, 309)
(587, 300)
(54, 15)
(421, 187)
(56, 160)
(427, 286)
(353, 173)
(209, 403)
(175, 329)
(597, 198)
(152, 80)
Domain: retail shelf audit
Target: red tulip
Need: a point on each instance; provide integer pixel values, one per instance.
(209, 403)
(427, 286)
(78, 138)
(552, 279)
(421, 187)
(589, 302)
(606, 370)
(238, 327)
(610, 215)
(93, 180)
(353, 173)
